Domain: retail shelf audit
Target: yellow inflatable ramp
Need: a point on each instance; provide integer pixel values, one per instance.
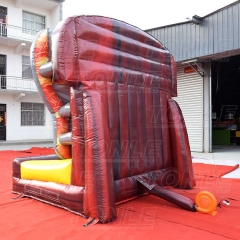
(58, 171)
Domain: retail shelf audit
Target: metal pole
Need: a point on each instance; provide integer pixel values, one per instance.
(60, 12)
(207, 112)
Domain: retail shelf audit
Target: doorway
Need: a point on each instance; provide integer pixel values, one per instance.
(3, 71)
(3, 21)
(2, 122)
(226, 101)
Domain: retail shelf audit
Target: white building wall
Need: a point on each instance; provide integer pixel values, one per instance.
(14, 61)
(55, 17)
(15, 13)
(14, 130)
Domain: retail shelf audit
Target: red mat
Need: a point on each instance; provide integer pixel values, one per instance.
(40, 151)
(147, 217)
(210, 170)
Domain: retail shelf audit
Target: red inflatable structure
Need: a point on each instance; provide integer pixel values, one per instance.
(118, 132)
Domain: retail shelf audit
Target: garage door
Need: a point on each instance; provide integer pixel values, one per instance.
(190, 99)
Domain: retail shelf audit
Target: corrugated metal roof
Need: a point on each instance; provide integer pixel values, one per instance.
(189, 21)
(218, 32)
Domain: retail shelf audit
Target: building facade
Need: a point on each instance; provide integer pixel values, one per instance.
(207, 52)
(22, 113)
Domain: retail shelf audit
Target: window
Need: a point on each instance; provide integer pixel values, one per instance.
(32, 114)
(32, 23)
(3, 21)
(26, 68)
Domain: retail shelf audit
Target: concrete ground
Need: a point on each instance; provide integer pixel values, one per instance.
(221, 155)
(24, 145)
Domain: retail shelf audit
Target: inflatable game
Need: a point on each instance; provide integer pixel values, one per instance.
(118, 134)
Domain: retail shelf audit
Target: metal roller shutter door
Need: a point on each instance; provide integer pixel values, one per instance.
(190, 99)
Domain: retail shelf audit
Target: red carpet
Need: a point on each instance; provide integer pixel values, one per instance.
(210, 170)
(147, 217)
(40, 151)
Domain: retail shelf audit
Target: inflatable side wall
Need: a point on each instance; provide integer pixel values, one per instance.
(118, 132)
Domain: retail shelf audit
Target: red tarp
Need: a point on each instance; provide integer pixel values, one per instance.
(146, 217)
(210, 170)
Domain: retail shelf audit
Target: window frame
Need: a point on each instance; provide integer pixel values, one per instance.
(32, 110)
(26, 64)
(33, 31)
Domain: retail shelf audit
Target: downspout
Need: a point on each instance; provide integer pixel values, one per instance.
(60, 12)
